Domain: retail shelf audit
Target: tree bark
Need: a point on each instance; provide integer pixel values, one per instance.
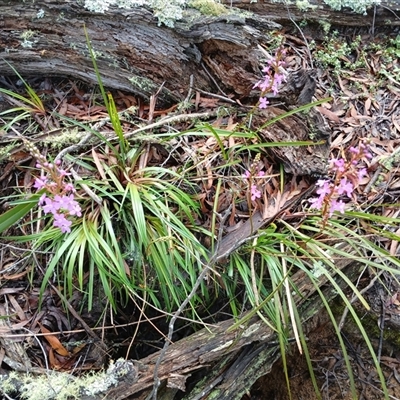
(134, 54)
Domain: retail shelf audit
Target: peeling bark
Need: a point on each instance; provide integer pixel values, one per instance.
(136, 55)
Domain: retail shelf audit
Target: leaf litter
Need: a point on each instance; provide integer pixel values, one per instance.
(365, 104)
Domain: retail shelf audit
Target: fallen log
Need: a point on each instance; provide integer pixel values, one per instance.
(136, 54)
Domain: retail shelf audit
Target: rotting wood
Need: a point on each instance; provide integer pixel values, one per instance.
(136, 55)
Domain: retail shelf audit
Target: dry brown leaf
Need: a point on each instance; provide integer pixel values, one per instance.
(17, 308)
(4, 291)
(2, 354)
(343, 88)
(395, 123)
(54, 342)
(367, 106)
(98, 164)
(231, 126)
(394, 245)
(329, 114)
(13, 327)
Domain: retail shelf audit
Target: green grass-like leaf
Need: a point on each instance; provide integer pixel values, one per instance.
(12, 216)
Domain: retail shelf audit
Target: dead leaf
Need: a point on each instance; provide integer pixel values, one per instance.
(329, 114)
(54, 342)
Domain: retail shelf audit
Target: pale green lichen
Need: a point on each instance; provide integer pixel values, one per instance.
(326, 26)
(208, 7)
(62, 386)
(358, 6)
(142, 83)
(40, 14)
(167, 11)
(8, 384)
(115, 372)
(66, 137)
(29, 39)
(304, 5)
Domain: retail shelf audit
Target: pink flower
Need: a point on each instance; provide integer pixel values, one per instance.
(63, 173)
(361, 173)
(63, 223)
(69, 187)
(325, 188)
(64, 201)
(338, 165)
(42, 199)
(266, 84)
(336, 205)
(255, 193)
(263, 103)
(278, 79)
(266, 69)
(75, 209)
(345, 187)
(51, 206)
(354, 150)
(40, 183)
(316, 202)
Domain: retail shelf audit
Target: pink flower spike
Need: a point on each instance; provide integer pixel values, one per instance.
(38, 165)
(58, 162)
(246, 174)
(260, 174)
